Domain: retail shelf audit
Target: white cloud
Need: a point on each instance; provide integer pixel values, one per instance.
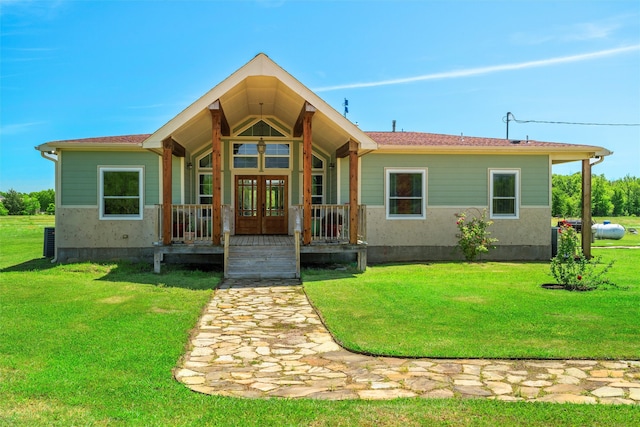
(470, 72)
(583, 31)
(18, 128)
(41, 9)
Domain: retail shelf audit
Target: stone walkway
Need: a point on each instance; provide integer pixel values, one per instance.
(263, 340)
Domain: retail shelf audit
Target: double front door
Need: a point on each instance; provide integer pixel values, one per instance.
(261, 205)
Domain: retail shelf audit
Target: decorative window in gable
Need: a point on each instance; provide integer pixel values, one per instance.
(406, 193)
(504, 188)
(261, 128)
(121, 190)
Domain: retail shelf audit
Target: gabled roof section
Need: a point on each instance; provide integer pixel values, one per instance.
(439, 143)
(261, 87)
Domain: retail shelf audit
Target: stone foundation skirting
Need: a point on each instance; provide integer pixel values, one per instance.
(383, 254)
(71, 255)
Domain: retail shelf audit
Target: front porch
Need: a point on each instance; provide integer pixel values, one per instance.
(191, 231)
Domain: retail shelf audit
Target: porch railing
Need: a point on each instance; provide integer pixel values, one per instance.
(331, 223)
(189, 223)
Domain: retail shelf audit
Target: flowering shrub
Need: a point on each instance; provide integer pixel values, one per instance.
(473, 237)
(572, 269)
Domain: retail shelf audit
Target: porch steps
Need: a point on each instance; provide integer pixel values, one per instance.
(261, 262)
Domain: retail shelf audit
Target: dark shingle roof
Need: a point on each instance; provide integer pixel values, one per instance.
(439, 140)
(121, 139)
(387, 140)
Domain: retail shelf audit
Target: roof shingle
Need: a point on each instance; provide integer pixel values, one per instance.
(121, 139)
(435, 140)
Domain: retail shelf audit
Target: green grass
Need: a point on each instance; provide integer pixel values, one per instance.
(493, 310)
(95, 344)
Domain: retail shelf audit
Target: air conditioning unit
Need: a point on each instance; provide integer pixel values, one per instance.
(49, 242)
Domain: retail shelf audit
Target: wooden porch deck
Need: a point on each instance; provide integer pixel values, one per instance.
(249, 250)
(262, 240)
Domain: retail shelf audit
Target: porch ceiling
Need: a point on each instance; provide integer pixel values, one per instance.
(278, 101)
(282, 97)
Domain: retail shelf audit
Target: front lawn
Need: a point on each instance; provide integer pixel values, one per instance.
(95, 344)
(487, 310)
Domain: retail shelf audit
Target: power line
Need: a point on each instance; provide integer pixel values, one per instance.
(511, 118)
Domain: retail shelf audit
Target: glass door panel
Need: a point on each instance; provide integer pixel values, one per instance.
(261, 205)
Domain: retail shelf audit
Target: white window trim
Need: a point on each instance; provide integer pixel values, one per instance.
(516, 215)
(102, 170)
(388, 172)
(265, 156)
(199, 196)
(319, 172)
(234, 156)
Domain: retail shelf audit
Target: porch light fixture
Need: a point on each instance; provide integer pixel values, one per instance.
(262, 147)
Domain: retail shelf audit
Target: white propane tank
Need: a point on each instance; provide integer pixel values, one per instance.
(607, 231)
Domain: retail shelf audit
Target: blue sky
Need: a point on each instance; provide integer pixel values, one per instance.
(76, 69)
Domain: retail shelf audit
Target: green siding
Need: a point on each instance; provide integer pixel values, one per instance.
(176, 191)
(79, 174)
(296, 176)
(343, 165)
(456, 180)
(226, 173)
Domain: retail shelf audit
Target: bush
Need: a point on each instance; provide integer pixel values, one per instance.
(572, 269)
(473, 237)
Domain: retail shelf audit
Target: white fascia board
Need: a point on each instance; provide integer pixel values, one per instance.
(88, 146)
(565, 153)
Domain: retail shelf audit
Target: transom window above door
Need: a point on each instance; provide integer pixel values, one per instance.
(247, 156)
(276, 156)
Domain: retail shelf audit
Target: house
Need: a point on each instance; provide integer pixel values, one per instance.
(262, 155)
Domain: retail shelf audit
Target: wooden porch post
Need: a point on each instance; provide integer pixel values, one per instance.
(307, 152)
(353, 192)
(216, 208)
(586, 208)
(167, 150)
(351, 149)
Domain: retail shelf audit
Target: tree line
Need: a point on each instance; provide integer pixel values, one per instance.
(620, 197)
(15, 203)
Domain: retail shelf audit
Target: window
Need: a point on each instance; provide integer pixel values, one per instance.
(205, 188)
(504, 193)
(260, 129)
(317, 163)
(276, 156)
(317, 189)
(317, 180)
(245, 155)
(205, 162)
(121, 193)
(406, 193)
